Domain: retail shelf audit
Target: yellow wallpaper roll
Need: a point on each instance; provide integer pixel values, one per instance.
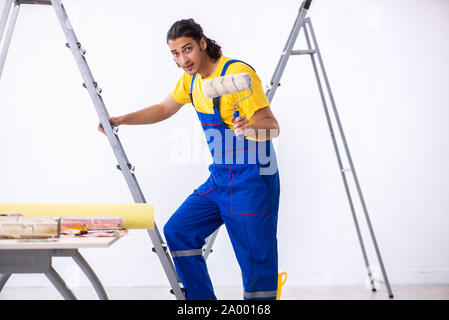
(135, 215)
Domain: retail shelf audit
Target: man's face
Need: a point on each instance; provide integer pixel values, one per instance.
(187, 53)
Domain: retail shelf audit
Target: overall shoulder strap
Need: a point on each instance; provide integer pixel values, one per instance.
(191, 88)
(225, 67)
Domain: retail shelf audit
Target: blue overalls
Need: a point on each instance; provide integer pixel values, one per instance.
(242, 192)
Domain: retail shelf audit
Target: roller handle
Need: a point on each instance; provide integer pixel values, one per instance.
(307, 4)
(236, 115)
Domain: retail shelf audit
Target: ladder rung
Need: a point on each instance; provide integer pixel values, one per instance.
(164, 247)
(99, 90)
(114, 129)
(82, 50)
(269, 87)
(130, 167)
(182, 290)
(300, 52)
(345, 170)
(46, 2)
(204, 250)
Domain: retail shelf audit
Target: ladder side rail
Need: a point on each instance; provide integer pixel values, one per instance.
(4, 17)
(340, 127)
(98, 102)
(290, 39)
(210, 242)
(117, 147)
(166, 262)
(274, 83)
(337, 152)
(9, 32)
(42, 2)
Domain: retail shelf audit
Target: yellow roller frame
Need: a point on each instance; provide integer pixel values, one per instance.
(135, 216)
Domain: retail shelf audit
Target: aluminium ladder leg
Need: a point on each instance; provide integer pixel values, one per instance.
(3, 20)
(95, 93)
(316, 51)
(12, 22)
(306, 22)
(299, 23)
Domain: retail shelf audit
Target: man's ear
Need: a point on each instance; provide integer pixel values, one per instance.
(203, 43)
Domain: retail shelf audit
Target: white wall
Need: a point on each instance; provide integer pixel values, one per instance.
(388, 67)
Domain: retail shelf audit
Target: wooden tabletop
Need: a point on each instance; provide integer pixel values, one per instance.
(61, 243)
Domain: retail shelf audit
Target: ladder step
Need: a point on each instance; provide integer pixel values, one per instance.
(164, 246)
(45, 2)
(82, 50)
(182, 290)
(130, 167)
(301, 52)
(99, 90)
(345, 170)
(114, 129)
(269, 87)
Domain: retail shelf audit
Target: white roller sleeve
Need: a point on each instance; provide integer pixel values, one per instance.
(232, 83)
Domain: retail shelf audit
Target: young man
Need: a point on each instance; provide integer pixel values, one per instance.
(242, 191)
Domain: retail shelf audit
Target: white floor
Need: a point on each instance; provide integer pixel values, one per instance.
(401, 292)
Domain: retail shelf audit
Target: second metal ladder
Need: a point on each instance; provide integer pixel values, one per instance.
(303, 22)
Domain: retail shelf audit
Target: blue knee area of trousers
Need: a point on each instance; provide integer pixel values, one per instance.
(192, 223)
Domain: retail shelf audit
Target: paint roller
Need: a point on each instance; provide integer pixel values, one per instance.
(233, 83)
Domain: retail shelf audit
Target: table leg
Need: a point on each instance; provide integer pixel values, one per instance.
(3, 278)
(82, 263)
(59, 284)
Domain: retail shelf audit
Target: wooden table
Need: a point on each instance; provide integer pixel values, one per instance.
(35, 256)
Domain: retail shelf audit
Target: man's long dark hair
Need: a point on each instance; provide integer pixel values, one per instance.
(189, 28)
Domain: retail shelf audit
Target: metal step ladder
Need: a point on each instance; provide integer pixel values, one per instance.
(313, 51)
(160, 248)
(305, 23)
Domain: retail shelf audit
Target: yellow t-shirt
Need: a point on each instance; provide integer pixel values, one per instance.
(247, 107)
